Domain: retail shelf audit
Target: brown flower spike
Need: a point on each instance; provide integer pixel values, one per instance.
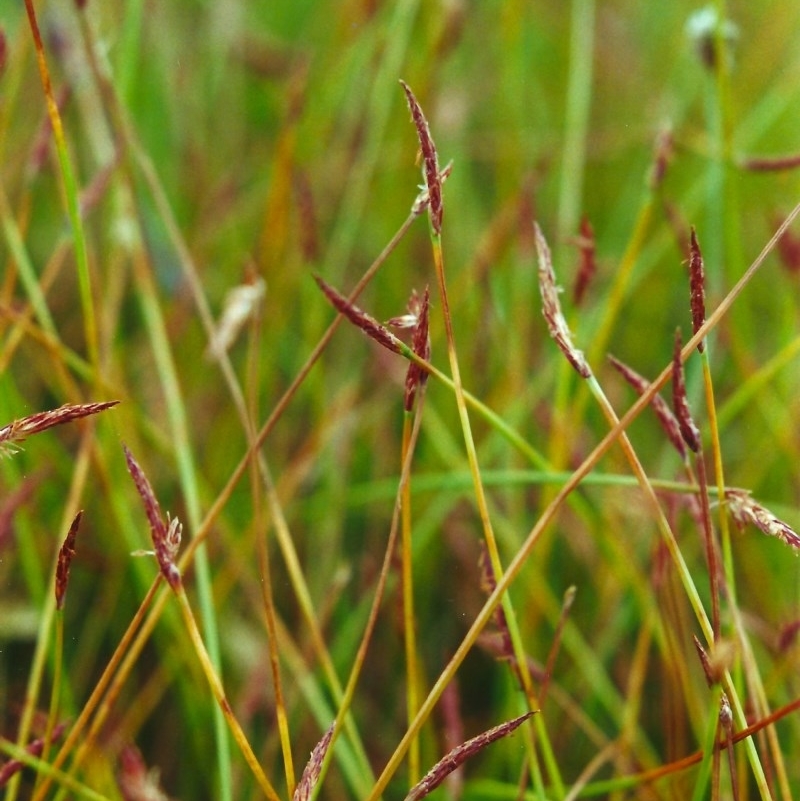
(689, 431)
(430, 159)
(697, 287)
(421, 345)
(666, 418)
(18, 430)
(437, 774)
(65, 556)
(368, 324)
(746, 510)
(312, 770)
(551, 308)
(166, 537)
(588, 262)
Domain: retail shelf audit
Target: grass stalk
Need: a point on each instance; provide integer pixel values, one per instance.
(70, 193)
(48, 614)
(67, 782)
(219, 694)
(409, 618)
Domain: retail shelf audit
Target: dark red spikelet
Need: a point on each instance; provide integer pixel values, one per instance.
(680, 404)
(366, 322)
(433, 179)
(665, 416)
(697, 286)
(65, 556)
(588, 263)
(421, 345)
(163, 536)
(789, 250)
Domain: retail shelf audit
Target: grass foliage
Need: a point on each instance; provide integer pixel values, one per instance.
(418, 575)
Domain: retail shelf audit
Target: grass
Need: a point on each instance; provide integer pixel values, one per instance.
(420, 571)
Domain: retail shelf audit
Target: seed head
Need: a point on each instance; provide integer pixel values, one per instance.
(666, 418)
(18, 430)
(433, 180)
(680, 403)
(697, 287)
(65, 555)
(312, 770)
(166, 537)
(551, 308)
(746, 510)
(434, 777)
(588, 263)
(421, 345)
(368, 324)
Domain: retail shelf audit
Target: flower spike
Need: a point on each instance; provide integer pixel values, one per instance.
(433, 179)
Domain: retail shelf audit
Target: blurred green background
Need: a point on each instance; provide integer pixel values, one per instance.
(283, 143)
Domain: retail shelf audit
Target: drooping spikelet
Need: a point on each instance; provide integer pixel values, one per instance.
(746, 510)
(551, 307)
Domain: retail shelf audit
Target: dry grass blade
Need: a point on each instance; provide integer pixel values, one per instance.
(312, 770)
(433, 180)
(551, 308)
(166, 537)
(18, 430)
(241, 304)
(65, 555)
(437, 774)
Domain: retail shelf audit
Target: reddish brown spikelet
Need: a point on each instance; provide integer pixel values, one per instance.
(430, 159)
(436, 775)
(136, 782)
(666, 418)
(587, 267)
(65, 556)
(18, 430)
(416, 376)
(551, 308)
(789, 250)
(718, 661)
(705, 662)
(312, 770)
(772, 163)
(680, 404)
(35, 749)
(3, 50)
(746, 510)
(488, 585)
(453, 732)
(697, 286)
(164, 537)
(307, 217)
(662, 154)
(368, 324)
(423, 199)
(788, 635)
